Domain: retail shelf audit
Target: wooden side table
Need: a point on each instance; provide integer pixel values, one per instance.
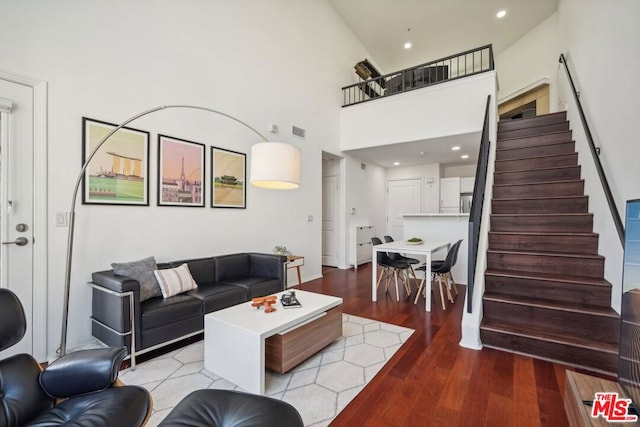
(579, 387)
(296, 261)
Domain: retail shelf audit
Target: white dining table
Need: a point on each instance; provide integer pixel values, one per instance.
(426, 248)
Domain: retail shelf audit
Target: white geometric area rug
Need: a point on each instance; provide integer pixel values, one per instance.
(319, 388)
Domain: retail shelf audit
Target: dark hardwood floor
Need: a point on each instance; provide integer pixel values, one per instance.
(431, 380)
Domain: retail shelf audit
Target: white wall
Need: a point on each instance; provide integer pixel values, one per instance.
(600, 41)
(445, 109)
(530, 60)
(366, 193)
(449, 171)
(259, 61)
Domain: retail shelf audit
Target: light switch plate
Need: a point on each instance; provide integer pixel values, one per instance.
(61, 219)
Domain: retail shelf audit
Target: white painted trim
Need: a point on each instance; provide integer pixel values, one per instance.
(470, 326)
(40, 207)
(4, 188)
(5, 105)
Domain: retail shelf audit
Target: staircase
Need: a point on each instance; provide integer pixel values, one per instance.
(545, 292)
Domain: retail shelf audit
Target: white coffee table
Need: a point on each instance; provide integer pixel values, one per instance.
(234, 338)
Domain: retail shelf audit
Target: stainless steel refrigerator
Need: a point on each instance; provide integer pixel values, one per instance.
(465, 202)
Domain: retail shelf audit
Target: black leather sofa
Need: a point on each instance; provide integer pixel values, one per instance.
(223, 281)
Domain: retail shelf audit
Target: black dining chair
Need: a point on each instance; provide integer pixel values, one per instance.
(450, 274)
(441, 270)
(390, 269)
(399, 257)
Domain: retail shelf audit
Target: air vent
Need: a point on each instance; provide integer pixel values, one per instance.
(299, 132)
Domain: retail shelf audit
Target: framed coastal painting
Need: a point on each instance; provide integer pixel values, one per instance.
(181, 167)
(118, 174)
(228, 178)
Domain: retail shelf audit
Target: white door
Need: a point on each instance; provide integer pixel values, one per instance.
(403, 197)
(330, 220)
(16, 200)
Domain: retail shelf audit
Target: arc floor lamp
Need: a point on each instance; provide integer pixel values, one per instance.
(274, 165)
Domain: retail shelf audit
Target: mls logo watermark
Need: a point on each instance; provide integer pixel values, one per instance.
(612, 408)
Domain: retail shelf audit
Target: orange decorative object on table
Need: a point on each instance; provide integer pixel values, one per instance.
(267, 302)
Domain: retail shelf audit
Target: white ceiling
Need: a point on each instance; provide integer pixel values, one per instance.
(438, 28)
(436, 150)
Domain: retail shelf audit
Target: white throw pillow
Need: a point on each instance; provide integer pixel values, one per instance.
(174, 281)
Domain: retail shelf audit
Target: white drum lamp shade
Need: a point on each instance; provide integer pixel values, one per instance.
(275, 165)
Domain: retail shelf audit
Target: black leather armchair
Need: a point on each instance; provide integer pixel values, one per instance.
(78, 389)
(231, 408)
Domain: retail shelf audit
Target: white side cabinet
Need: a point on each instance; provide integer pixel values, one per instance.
(360, 244)
(450, 195)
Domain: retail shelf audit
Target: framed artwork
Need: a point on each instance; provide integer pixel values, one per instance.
(180, 172)
(228, 179)
(118, 174)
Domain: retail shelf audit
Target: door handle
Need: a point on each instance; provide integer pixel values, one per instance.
(20, 241)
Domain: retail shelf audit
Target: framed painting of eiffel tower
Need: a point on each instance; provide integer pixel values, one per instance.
(181, 166)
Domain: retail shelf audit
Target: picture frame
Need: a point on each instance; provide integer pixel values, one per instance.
(118, 174)
(181, 172)
(228, 179)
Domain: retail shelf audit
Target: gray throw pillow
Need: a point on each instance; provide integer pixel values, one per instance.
(141, 270)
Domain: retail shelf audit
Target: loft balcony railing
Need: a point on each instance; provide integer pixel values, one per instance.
(452, 67)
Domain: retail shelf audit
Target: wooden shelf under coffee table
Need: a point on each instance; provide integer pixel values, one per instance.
(240, 341)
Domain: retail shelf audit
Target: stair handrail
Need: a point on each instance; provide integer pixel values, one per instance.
(475, 214)
(595, 152)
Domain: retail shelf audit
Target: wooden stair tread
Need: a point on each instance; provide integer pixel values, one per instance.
(583, 280)
(542, 233)
(540, 182)
(552, 305)
(534, 198)
(559, 141)
(533, 157)
(540, 215)
(546, 253)
(550, 168)
(556, 132)
(560, 214)
(536, 333)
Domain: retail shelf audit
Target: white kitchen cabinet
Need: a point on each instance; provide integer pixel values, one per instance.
(450, 195)
(466, 184)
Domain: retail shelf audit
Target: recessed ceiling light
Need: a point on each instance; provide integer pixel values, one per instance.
(456, 148)
(501, 14)
(464, 156)
(407, 44)
(396, 163)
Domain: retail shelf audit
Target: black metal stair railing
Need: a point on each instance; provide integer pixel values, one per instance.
(595, 151)
(464, 64)
(475, 215)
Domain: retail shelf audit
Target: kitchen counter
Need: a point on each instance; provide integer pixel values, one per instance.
(418, 215)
